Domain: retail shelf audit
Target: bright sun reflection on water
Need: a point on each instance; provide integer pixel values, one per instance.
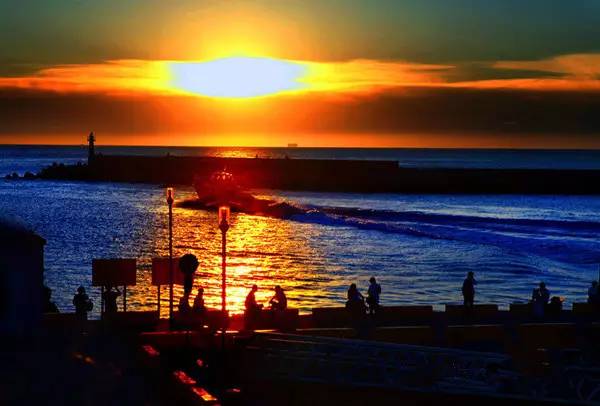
(237, 77)
(260, 250)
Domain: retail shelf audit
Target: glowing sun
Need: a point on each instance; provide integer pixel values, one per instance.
(237, 77)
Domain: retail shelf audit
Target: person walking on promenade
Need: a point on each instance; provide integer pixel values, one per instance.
(593, 293)
(48, 306)
(539, 299)
(468, 290)
(188, 264)
(373, 295)
(253, 309)
(198, 306)
(110, 299)
(279, 300)
(83, 305)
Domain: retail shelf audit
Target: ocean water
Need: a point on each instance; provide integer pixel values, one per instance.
(418, 246)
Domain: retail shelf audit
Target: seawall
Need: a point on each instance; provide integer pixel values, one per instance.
(330, 175)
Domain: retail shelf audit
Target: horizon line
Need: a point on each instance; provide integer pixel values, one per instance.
(511, 148)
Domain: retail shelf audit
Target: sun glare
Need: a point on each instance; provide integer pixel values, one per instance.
(237, 77)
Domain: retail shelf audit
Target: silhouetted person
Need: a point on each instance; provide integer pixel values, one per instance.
(82, 304)
(279, 300)
(357, 311)
(253, 309)
(539, 299)
(353, 294)
(356, 301)
(198, 306)
(373, 295)
(593, 294)
(48, 306)
(555, 306)
(188, 265)
(110, 299)
(184, 304)
(468, 290)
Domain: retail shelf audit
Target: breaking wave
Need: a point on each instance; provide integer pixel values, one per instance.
(566, 241)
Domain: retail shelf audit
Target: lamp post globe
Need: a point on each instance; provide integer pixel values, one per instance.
(170, 196)
(223, 216)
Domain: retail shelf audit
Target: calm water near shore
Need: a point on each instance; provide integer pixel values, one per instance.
(419, 246)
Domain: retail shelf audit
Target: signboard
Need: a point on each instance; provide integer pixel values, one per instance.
(114, 272)
(160, 272)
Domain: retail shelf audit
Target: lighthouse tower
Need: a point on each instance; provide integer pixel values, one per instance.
(91, 139)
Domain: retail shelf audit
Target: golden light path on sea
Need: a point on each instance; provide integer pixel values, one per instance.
(260, 250)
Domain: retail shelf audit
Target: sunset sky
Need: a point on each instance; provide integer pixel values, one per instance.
(422, 73)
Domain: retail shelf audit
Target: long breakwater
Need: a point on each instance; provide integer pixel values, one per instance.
(330, 175)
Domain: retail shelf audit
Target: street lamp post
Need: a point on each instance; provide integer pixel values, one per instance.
(170, 203)
(224, 212)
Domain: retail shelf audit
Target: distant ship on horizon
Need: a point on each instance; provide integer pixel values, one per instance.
(292, 145)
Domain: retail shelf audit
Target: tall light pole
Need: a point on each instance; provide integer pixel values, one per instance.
(224, 212)
(170, 203)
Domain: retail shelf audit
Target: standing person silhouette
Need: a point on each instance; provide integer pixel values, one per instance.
(354, 296)
(47, 304)
(356, 302)
(539, 299)
(468, 290)
(373, 295)
(188, 264)
(184, 304)
(110, 299)
(356, 308)
(83, 305)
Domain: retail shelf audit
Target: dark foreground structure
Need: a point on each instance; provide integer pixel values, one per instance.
(21, 279)
(406, 355)
(329, 175)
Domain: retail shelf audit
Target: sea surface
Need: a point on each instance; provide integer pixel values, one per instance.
(419, 247)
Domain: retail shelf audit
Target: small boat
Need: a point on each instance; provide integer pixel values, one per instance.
(222, 189)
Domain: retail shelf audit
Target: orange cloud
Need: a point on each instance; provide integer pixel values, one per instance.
(363, 76)
(108, 77)
(367, 75)
(127, 76)
(574, 66)
(574, 72)
(541, 84)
